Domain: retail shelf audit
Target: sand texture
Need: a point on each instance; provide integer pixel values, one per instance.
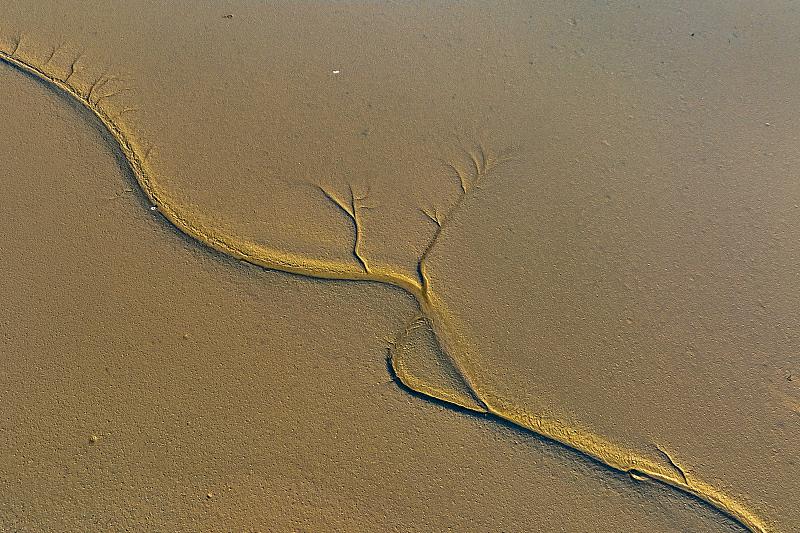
(347, 267)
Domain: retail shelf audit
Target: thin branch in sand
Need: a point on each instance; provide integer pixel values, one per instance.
(53, 54)
(351, 209)
(102, 97)
(16, 46)
(674, 465)
(357, 200)
(475, 163)
(462, 179)
(72, 68)
(338, 203)
(101, 82)
(484, 160)
(416, 321)
(147, 151)
(433, 215)
(356, 206)
(482, 165)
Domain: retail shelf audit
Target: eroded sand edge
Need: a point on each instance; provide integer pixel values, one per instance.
(431, 307)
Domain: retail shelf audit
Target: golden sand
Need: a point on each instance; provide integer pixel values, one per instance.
(574, 348)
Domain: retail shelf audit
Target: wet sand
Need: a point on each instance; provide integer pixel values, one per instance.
(601, 334)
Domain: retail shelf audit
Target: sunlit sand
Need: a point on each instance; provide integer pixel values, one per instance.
(627, 306)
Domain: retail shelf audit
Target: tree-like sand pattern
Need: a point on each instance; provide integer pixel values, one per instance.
(449, 378)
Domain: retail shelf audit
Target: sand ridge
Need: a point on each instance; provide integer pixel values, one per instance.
(431, 307)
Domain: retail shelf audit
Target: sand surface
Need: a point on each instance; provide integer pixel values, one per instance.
(602, 334)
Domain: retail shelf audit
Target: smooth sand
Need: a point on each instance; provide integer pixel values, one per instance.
(626, 282)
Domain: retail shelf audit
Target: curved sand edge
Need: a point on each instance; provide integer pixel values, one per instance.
(430, 306)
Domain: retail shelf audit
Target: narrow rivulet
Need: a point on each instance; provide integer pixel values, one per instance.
(432, 310)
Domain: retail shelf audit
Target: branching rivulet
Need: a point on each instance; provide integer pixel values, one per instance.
(432, 311)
